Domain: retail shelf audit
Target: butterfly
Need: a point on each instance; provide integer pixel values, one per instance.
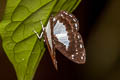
(61, 33)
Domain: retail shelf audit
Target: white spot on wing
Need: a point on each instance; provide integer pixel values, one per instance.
(54, 19)
(70, 15)
(78, 37)
(81, 46)
(65, 13)
(76, 25)
(77, 53)
(61, 34)
(72, 56)
(62, 15)
(82, 57)
(83, 54)
(74, 20)
(76, 49)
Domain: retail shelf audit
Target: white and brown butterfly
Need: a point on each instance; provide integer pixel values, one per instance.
(61, 33)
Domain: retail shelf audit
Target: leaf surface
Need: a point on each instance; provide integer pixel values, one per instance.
(20, 43)
(67, 5)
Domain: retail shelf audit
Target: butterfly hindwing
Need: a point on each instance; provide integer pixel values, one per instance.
(66, 37)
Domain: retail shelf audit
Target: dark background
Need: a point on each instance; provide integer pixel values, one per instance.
(100, 28)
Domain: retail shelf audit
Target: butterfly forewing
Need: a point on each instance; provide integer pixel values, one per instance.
(66, 37)
(49, 41)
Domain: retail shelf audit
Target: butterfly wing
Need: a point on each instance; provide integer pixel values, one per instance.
(66, 37)
(49, 42)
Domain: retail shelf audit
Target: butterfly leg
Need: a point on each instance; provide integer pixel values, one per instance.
(40, 36)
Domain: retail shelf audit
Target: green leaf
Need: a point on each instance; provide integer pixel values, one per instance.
(67, 5)
(20, 43)
(75, 5)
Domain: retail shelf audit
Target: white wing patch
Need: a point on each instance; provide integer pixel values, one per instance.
(60, 32)
(48, 32)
